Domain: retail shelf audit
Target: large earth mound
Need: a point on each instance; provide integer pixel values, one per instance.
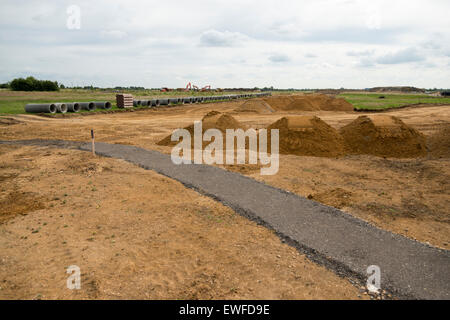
(308, 136)
(212, 120)
(255, 106)
(311, 102)
(439, 143)
(385, 136)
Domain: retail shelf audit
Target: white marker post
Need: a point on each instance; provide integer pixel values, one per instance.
(93, 142)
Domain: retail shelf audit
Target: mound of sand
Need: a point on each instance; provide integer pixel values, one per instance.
(313, 102)
(212, 120)
(255, 106)
(279, 102)
(382, 135)
(308, 136)
(439, 143)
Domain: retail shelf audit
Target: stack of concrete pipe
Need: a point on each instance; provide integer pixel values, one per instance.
(61, 107)
(93, 105)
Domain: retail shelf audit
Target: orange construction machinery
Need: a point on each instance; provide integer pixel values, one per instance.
(189, 87)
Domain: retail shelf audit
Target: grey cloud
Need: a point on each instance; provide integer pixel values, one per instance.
(360, 53)
(401, 56)
(279, 58)
(214, 38)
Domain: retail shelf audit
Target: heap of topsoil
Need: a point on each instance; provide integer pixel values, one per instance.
(310, 102)
(255, 106)
(212, 120)
(307, 136)
(382, 135)
(439, 143)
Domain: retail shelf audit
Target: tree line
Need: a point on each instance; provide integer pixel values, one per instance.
(31, 84)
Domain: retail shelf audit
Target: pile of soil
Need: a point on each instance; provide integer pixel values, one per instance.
(439, 143)
(308, 136)
(313, 102)
(385, 136)
(212, 120)
(279, 102)
(255, 106)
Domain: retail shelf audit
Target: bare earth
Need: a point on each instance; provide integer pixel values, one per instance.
(136, 234)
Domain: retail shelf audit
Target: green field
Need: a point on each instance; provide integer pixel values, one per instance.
(13, 102)
(372, 101)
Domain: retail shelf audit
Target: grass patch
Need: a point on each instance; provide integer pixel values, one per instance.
(372, 101)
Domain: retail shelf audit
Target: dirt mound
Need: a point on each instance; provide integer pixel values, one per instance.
(308, 136)
(439, 143)
(255, 106)
(313, 102)
(385, 136)
(212, 120)
(279, 102)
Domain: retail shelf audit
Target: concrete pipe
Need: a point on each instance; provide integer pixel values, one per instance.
(73, 107)
(187, 100)
(136, 103)
(157, 102)
(173, 101)
(163, 102)
(61, 107)
(40, 108)
(103, 104)
(201, 99)
(89, 106)
(153, 103)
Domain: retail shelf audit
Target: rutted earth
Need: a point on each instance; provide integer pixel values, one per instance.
(409, 196)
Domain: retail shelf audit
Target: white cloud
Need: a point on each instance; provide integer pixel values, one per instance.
(214, 38)
(401, 56)
(320, 43)
(115, 34)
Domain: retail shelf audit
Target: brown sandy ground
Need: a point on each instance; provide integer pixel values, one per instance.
(136, 235)
(406, 196)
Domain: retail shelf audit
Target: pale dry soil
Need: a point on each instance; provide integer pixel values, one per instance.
(136, 235)
(406, 196)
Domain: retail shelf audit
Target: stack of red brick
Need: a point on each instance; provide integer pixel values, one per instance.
(124, 100)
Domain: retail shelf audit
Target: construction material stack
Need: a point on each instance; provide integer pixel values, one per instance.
(124, 100)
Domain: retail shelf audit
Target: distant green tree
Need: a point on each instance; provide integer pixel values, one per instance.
(32, 84)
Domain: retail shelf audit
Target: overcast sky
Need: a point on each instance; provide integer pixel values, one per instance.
(285, 44)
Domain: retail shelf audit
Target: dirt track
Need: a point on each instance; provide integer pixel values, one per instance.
(410, 269)
(406, 196)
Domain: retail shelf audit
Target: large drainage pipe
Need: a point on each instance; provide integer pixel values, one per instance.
(103, 104)
(137, 103)
(187, 100)
(89, 106)
(73, 107)
(153, 102)
(40, 108)
(61, 107)
(163, 102)
(173, 101)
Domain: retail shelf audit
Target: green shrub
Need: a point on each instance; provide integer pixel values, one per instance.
(32, 84)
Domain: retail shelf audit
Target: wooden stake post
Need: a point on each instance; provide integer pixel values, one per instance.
(93, 142)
